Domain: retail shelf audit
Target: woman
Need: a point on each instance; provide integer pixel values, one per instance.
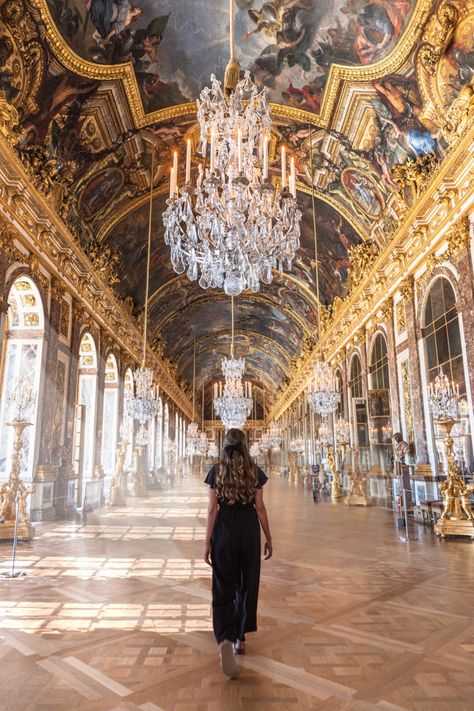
(233, 545)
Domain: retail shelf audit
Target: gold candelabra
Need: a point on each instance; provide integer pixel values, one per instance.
(457, 518)
(357, 495)
(15, 488)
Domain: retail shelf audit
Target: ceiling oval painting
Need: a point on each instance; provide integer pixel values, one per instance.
(288, 45)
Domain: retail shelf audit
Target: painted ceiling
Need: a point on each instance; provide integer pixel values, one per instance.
(358, 88)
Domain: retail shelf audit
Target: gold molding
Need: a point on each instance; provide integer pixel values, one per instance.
(337, 73)
(43, 233)
(428, 225)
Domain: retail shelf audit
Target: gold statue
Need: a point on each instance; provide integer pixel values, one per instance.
(336, 484)
(457, 518)
(357, 495)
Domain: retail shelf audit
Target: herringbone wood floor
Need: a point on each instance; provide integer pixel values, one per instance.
(114, 615)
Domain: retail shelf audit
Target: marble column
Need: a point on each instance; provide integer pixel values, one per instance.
(102, 349)
(413, 336)
(392, 368)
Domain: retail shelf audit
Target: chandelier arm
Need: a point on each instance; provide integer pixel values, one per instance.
(148, 259)
(313, 210)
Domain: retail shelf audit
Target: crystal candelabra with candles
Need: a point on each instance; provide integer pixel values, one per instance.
(325, 434)
(233, 228)
(233, 400)
(343, 438)
(457, 518)
(274, 435)
(213, 451)
(20, 406)
(193, 438)
(324, 395)
(255, 450)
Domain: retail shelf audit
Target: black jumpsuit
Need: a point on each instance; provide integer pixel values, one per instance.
(235, 553)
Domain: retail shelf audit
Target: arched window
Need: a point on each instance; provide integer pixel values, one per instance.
(159, 435)
(127, 420)
(22, 359)
(340, 407)
(443, 349)
(356, 377)
(84, 431)
(166, 435)
(109, 427)
(378, 369)
(442, 335)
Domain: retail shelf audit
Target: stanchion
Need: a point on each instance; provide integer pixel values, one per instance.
(407, 537)
(13, 573)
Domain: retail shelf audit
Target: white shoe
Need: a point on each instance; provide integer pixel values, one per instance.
(228, 663)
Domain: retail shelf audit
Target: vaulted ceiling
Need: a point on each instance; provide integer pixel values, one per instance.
(100, 86)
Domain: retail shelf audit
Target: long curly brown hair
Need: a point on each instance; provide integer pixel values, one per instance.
(236, 479)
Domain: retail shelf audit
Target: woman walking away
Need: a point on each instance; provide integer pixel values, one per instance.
(233, 546)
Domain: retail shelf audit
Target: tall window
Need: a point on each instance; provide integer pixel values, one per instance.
(86, 398)
(127, 420)
(443, 349)
(159, 435)
(442, 335)
(166, 435)
(378, 369)
(22, 358)
(356, 377)
(109, 426)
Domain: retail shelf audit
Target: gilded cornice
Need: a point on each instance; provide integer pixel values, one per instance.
(446, 200)
(338, 74)
(40, 231)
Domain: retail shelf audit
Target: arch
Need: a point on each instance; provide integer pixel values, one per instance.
(110, 416)
(378, 364)
(21, 363)
(85, 420)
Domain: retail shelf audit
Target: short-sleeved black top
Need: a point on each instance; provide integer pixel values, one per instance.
(211, 481)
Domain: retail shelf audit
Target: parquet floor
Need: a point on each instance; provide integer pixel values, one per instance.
(114, 615)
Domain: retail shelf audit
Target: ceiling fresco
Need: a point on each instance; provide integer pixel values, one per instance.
(288, 45)
(86, 141)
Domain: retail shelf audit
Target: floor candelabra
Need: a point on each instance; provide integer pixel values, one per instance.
(15, 487)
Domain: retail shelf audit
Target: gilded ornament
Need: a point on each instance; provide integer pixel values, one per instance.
(459, 115)
(438, 32)
(458, 238)
(9, 120)
(413, 176)
(361, 257)
(407, 288)
(400, 316)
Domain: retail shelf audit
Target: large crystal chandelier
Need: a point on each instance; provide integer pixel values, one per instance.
(343, 431)
(444, 398)
(324, 395)
(143, 406)
(233, 227)
(233, 402)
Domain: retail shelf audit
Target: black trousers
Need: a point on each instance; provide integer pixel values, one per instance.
(235, 551)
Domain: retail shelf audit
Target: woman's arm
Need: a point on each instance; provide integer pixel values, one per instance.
(211, 519)
(263, 518)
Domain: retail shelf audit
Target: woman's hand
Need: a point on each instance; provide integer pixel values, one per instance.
(268, 549)
(207, 554)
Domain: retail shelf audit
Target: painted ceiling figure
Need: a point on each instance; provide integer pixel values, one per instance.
(112, 18)
(379, 23)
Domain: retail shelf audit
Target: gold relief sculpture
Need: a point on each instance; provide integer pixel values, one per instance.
(31, 319)
(413, 176)
(9, 120)
(458, 238)
(361, 258)
(357, 495)
(459, 116)
(457, 518)
(436, 36)
(406, 388)
(407, 288)
(400, 316)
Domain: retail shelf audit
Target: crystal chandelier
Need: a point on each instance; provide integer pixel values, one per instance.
(296, 445)
(274, 435)
(192, 438)
(325, 434)
(143, 406)
(265, 441)
(233, 227)
(213, 452)
(343, 431)
(443, 398)
(233, 402)
(324, 395)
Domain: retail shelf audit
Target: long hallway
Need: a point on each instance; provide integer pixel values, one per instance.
(114, 614)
